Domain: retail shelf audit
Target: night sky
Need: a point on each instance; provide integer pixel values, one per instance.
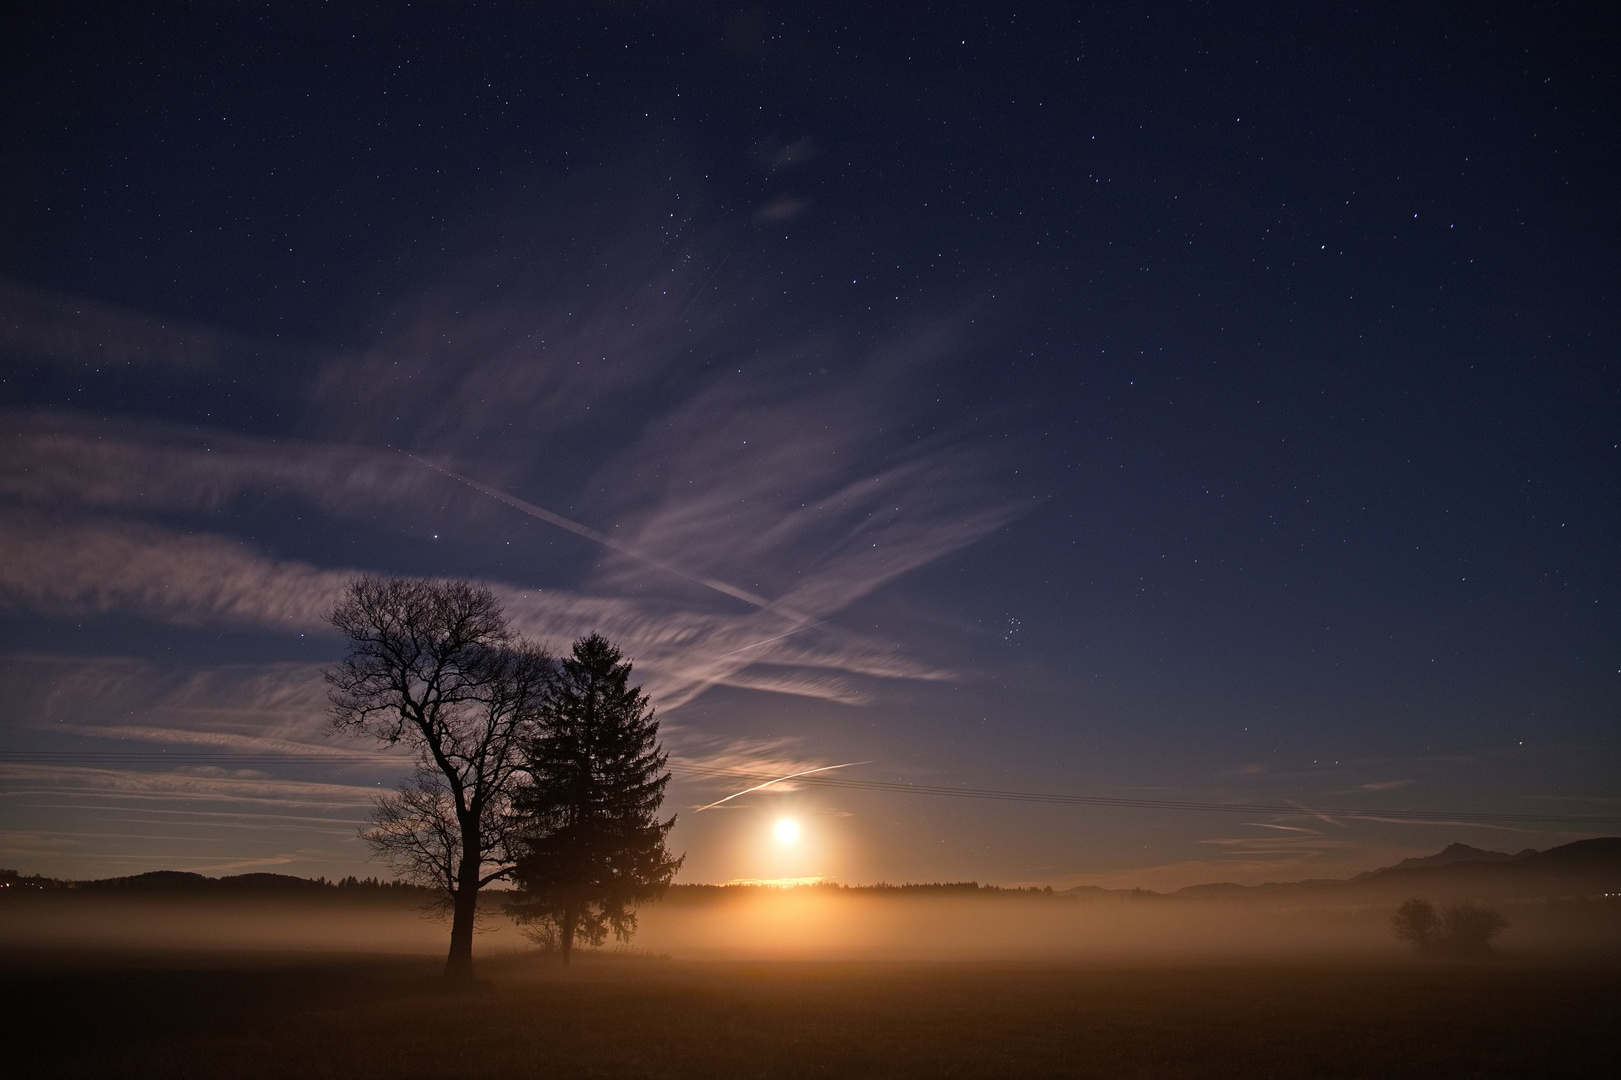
(1168, 402)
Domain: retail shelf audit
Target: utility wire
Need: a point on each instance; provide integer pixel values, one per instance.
(1158, 804)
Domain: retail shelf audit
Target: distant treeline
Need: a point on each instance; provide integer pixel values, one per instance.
(184, 882)
(1590, 868)
(934, 888)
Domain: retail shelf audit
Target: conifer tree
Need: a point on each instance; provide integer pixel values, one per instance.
(591, 846)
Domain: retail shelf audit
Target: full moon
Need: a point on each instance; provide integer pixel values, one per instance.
(787, 831)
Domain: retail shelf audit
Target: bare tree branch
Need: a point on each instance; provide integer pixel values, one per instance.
(434, 664)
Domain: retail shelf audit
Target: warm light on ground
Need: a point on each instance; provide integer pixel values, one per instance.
(787, 831)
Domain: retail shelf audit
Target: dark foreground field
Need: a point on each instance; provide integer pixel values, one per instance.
(137, 1015)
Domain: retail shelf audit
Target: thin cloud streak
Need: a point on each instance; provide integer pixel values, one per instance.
(126, 783)
(273, 820)
(526, 343)
(82, 567)
(62, 459)
(774, 783)
(605, 540)
(739, 508)
(274, 709)
(703, 761)
(802, 490)
(244, 743)
(40, 326)
(101, 566)
(829, 513)
(276, 824)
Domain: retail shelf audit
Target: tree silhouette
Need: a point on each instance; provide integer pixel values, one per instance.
(1458, 930)
(1468, 929)
(592, 846)
(434, 664)
(1416, 922)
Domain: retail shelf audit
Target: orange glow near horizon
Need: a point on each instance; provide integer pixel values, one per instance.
(784, 840)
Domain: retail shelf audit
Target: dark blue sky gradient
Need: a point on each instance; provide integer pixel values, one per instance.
(1280, 345)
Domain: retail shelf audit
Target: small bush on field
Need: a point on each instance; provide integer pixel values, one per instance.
(1458, 930)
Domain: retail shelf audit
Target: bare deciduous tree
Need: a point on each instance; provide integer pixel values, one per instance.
(434, 664)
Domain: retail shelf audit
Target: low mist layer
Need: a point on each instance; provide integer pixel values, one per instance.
(811, 923)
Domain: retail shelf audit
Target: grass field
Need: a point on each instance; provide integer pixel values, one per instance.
(131, 1014)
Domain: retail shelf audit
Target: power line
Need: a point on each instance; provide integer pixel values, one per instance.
(1159, 804)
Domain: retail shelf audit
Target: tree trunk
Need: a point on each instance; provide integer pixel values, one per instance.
(459, 964)
(568, 933)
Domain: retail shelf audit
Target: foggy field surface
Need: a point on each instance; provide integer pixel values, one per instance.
(135, 1014)
(812, 924)
(805, 982)
(827, 924)
(192, 924)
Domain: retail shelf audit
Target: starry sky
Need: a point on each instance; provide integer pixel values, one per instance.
(1157, 404)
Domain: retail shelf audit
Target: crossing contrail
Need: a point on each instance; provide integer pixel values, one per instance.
(778, 780)
(607, 541)
(769, 640)
(701, 291)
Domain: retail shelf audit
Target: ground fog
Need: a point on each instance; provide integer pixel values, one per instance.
(815, 923)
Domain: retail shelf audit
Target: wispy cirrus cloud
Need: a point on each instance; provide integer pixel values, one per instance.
(1295, 846)
(75, 566)
(808, 474)
(277, 708)
(99, 566)
(557, 326)
(630, 365)
(797, 479)
(715, 764)
(358, 753)
(61, 459)
(41, 326)
(23, 777)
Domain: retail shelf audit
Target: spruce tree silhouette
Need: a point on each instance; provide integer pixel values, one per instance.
(591, 846)
(433, 664)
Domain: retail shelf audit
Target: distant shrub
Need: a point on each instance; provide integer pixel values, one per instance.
(1416, 923)
(1458, 930)
(1468, 929)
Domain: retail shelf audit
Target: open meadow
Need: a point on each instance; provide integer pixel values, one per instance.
(97, 1014)
(791, 983)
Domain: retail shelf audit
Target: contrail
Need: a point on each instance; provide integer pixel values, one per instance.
(769, 640)
(702, 290)
(778, 780)
(1410, 817)
(607, 541)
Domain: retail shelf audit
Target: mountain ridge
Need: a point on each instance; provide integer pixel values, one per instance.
(1582, 868)
(1452, 853)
